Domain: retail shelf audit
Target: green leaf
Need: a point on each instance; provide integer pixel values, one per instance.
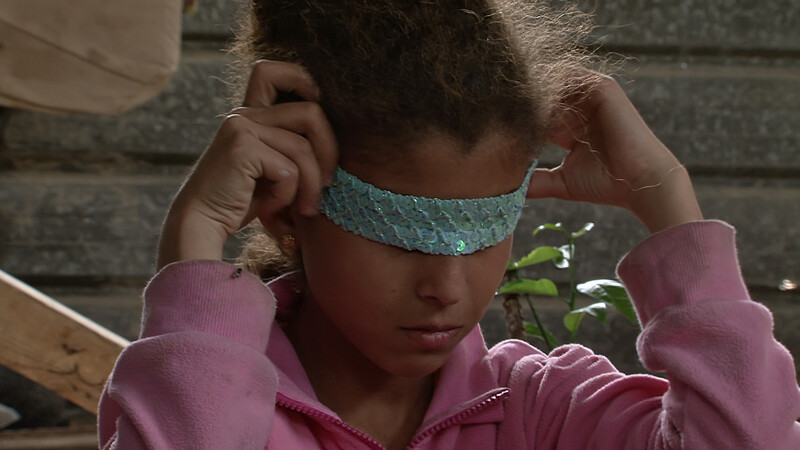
(533, 330)
(526, 286)
(586, 228)
(549, 226)
(565, 258)
(538, 255)
(573, 319)
(611, 292)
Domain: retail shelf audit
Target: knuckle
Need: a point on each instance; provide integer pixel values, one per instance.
(606, 81)
(291, 173)
(235, 130)
(239, 111)
(234, 122)
(303, 146)
(262, 67)
(314, 112)
(270, 64)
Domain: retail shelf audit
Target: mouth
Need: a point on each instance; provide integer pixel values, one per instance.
(433, 337)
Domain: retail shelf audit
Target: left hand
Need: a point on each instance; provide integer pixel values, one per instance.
(615, 159)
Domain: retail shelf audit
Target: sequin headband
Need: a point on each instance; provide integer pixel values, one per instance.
(429, 225)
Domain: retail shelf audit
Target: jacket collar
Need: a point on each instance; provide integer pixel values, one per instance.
(466, 379)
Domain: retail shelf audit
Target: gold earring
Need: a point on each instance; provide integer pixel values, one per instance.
(288, 242)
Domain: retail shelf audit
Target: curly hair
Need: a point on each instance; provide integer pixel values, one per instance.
(396, 71)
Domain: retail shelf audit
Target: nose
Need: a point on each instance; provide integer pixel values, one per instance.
(442, 278)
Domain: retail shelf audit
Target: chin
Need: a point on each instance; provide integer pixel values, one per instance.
(422, 367)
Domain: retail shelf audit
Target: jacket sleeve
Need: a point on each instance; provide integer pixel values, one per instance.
(730, 384)
(198, 378)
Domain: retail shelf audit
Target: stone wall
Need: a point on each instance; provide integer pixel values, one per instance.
(82, 196)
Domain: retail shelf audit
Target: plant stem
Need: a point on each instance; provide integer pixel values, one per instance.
(539, 324)
(513, 308)
(572, 289)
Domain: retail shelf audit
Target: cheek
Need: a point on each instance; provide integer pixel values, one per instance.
(489, 269)
(334, 257)
(495, 259)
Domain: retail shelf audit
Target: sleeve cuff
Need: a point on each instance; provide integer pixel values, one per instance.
(687, 264)
(211, 297)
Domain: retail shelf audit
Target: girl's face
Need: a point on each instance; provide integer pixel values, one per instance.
(405, 311)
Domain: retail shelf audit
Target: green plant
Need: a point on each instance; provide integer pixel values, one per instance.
(606, 292)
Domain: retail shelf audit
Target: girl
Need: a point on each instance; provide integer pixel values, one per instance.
(392, 183)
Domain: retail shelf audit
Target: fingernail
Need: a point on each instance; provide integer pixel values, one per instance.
(284, 173)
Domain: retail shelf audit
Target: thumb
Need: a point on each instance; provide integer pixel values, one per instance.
(547, 183)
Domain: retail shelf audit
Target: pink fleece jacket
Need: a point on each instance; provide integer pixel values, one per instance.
(212, 372)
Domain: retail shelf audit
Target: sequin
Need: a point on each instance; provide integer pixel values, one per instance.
(429, 225)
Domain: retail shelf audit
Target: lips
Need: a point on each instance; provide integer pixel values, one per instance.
(432, 337)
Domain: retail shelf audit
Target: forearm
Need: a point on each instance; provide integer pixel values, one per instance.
(668, 203)
(199, 371)
(187, 235)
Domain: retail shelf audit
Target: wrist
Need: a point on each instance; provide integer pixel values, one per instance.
(670, 203)
(188, 235)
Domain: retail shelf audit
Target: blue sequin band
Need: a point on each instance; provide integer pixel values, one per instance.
(429, 225)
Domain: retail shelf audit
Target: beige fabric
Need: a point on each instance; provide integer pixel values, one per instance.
(97, 56)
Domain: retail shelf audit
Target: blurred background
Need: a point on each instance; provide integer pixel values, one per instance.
(82, 196)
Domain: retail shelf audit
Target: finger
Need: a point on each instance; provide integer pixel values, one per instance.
(271, 196)
(301, 154)
(260, 160)
(303, 118)
(547, 183)
(270, 77)
(303, 165)
(569, 129)
(577, 109)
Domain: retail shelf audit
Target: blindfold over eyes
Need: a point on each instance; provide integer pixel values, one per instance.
(429, 225)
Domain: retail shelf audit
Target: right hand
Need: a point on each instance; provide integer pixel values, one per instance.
(265, 158)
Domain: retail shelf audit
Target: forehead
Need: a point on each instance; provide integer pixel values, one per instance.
(439, 166)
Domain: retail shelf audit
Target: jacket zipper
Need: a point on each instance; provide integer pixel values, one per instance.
(458, 417)
(315, 413)
(449, 421)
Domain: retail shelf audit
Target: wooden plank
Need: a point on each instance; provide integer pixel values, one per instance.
(53, 345)
(83, 438)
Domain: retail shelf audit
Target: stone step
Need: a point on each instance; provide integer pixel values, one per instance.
(703, 24)
(713, 116)
(213, 19)
(773, 25)
(106, 226)
(179, 121)
(719, 116)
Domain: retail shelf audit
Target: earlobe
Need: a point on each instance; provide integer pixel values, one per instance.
(281, 226)
(288, 242)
